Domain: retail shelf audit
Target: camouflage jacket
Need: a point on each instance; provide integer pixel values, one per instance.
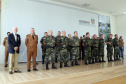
(101, 43)
(75, 41)
(87, 42)
(115, 42)
(111, 41)
(50, 41)
(95, 43)
(63, 42)
(57, 39)
(42, 40)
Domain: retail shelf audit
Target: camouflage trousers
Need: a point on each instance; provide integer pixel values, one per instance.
(64, 55)
(75, 53)
(116, 51)
(70, 52)
(50, 52)
(101, 53)
(96, 53)
(57, 51)
(87, 53)
(43, 52)
(109, 52)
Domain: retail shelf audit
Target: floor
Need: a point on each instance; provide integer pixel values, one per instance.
(116, 80)
(83, 74)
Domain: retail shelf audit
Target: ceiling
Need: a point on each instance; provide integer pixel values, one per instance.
(113, 7)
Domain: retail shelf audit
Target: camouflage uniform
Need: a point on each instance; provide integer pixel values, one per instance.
(95, 43)
(87, 43)
(92, 49)
(50, 45)
(43, 48)
(116, 48)
(109, 49)
(57, 49)
(69, 48)
(101, 49)
(75, 50)
(64, 55)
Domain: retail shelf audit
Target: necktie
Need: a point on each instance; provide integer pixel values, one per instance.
(33, 36)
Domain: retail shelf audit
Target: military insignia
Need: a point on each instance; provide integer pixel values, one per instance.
(93, 21)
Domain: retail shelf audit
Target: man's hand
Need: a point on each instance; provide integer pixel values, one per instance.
(82, 44)
(44, 43)
(15, 48)
(58, 44)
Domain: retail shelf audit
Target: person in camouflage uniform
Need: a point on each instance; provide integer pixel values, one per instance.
(57, 49)
(116, 47)
(109, 43)
(101, 48)
(95, 44)
(64, 55)
(69, 46)
(75, 49)
(43, 47)
(49, 42)
(92, 48)
(87, 43)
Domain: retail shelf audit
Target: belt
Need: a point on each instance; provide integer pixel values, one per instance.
(75, 46)
(50, 46)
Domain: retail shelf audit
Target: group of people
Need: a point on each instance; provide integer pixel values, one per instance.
(92, 49)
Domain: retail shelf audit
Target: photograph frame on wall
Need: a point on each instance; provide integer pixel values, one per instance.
(104, 26)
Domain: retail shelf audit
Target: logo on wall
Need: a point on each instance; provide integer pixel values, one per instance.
(93, 21)
(87, 22)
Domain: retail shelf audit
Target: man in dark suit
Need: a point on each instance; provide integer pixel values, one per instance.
(14, 42)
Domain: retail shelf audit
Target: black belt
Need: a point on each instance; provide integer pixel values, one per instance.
(95, 47)
(75, 46)
(50, 47)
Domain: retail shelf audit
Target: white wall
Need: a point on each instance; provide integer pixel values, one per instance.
(26, 14)
(41, 16)
(3, 29)
(121, 28)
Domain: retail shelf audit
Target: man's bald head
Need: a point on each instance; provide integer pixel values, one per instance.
(50, 32)
(63, 33)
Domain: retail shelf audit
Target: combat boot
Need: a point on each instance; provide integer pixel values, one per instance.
(103, 60)
(60, 64)
(53, 66)
(76, 63)
(66, 65)
(43, 61)
(56, 60)
(72, 63)
(111, 59)
(96, 61)
(86, 62)
(108, 59)
(92, 61)
(115, 59)
(47, 68)
(100, 60)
